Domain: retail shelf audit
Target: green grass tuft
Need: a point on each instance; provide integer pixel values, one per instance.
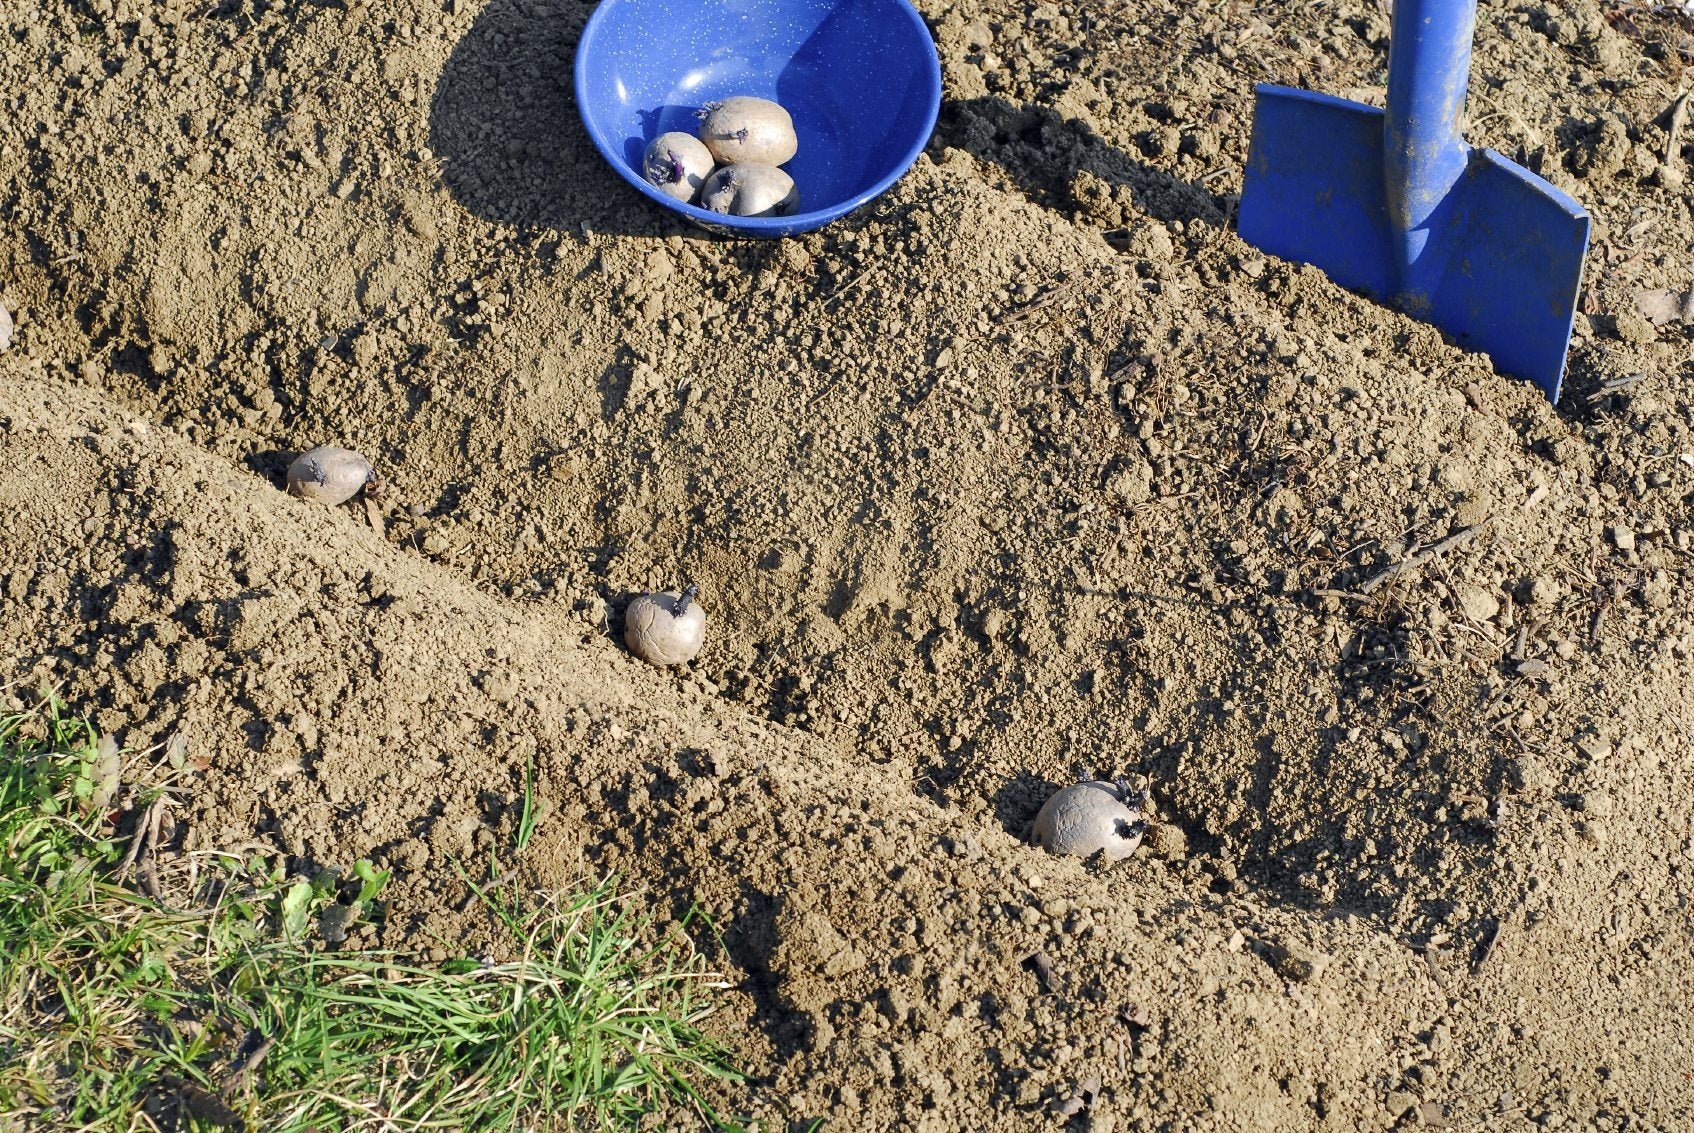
(216, 1002)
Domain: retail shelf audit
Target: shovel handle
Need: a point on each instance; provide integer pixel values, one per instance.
(1428, 71)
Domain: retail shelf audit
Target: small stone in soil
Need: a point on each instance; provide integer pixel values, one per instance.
(1038, 963)
(1477, 604)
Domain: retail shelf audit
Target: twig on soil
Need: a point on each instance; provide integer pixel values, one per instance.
(1598, 623)
(140, 856)
(146, 876)
(1424, 556)
(1488, 946)
(1432, 955)
(236, 1080)
(1686, 734)
(1608, 388)
(841, 292)
(1062, 287)
(829, 387)
(136, 843)
(1678, 114)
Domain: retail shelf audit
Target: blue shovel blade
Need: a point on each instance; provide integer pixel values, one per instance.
(1501, 263)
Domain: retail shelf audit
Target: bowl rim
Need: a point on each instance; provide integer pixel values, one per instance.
(611, 150)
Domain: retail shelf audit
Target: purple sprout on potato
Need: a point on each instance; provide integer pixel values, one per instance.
(676, 164)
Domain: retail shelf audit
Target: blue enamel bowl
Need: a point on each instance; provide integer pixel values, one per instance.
(860, 77)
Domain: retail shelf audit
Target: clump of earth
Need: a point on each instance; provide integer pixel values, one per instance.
(1030, 468)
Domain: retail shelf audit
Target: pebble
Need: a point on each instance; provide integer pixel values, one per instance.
(1623, 538)
(5, 328)
(1594, 748)
(1478, 604)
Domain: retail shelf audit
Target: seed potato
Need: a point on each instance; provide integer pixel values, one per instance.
(744, 128)
(677, 164)
(665, 629)
(1089, 818)
(329, 475)
(749, 189)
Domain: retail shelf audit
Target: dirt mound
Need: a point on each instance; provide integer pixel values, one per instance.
(1030, 468)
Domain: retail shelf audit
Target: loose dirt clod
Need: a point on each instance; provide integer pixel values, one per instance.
(744, 128)
(329, 475)
(1089, 818)
(665, 629)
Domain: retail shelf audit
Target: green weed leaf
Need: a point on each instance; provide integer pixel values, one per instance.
(297, 908)
(371, 880)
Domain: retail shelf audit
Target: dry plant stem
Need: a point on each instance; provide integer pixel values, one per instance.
(1453, 541)
(146, 874)
(1678, 114)
(238, 1078)
(373, 512)
(1488, 946)
(141, 845)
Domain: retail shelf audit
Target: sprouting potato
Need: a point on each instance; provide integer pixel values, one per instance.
(1091, 818)
(329, 475)
(665, 629)
(750, 189)
(744, 128)
(677, 164)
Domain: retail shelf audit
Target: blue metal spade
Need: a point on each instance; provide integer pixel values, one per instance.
(1396, 205)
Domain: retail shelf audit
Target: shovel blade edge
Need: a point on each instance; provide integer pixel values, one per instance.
(1313, 189)
(1509, 269)
(1499, 272)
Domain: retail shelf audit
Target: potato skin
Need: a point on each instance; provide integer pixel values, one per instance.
(677, 164)
(1089, 818)
(657, 634)
(744, 128)
(329, 475)
(750, 189)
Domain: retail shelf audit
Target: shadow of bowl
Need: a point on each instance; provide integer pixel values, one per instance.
(860, 77)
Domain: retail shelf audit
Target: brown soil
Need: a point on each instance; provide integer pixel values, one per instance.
(1031, 467)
